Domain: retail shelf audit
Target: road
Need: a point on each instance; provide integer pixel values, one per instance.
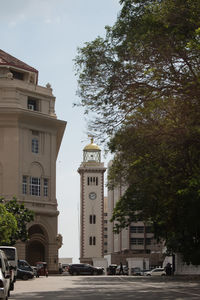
(106, 288)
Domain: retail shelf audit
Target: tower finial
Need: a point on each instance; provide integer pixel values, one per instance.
(92, 138)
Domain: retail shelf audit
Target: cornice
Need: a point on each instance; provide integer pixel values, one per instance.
(97, 170)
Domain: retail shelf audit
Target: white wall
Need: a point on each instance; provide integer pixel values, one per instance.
(182, 268)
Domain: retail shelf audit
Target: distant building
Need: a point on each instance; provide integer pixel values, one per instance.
(135, 241)
(30, 138)
(91, 173)
(65, 260)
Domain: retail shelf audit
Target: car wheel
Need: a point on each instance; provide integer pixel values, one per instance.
(95, 273)
(148, 275)
(25, 277)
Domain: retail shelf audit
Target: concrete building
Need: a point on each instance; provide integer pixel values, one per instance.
(30, 138)
(136, 241)
(91, 173)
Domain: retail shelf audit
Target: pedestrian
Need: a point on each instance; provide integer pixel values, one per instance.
(168, 269)
(60, 268)
(46, 273)
(121, 270)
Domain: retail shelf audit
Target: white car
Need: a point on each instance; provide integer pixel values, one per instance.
(156, 272)
(4, 277)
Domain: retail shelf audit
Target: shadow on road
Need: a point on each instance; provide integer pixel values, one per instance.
(118, 288)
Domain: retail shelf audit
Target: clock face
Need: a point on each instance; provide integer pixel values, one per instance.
(92, 195)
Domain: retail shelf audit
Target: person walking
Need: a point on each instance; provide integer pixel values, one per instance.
(121, 270)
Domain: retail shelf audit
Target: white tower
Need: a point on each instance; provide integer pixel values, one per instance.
(91, 173)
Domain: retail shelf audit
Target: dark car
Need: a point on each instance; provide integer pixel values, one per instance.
(84, 269)
(136, 271)
(24, 270)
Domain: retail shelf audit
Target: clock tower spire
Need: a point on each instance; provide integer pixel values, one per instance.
(91, 173)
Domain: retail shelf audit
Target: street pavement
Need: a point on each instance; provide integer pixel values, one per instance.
(107, 288)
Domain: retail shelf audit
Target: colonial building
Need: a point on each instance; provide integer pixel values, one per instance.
(91, 173)
(30, 138)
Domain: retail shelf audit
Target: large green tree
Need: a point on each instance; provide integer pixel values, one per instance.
(142, 84)
(150, 54)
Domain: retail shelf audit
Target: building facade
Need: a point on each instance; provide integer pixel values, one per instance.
(135, 241)
(30, 138)
(91, 173)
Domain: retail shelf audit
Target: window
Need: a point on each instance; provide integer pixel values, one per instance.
(24, 185)
(17, 75)
(137, 229)
(148, 241)
(33, 104)
(105, 228)
(138, 241)
(92, 180)
(45, 187)
(92, 240)
(92, 219)
(105, 236)
(35, 186)
(35, 145)
(105, 221)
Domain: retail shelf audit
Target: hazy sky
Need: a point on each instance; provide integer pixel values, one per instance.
(45, 34)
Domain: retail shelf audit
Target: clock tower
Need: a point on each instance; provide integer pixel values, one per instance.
(91, 173)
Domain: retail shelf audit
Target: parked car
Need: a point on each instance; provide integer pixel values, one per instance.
(84, 269)
(5, 279)
(136, 271)
(125, 270)
(24, 270)
(11, 254)
(156, 272)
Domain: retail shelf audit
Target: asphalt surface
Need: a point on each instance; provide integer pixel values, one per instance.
(107, 288)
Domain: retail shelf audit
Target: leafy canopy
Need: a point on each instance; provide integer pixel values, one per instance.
(16, 228)
(8, 225)
(140, 86)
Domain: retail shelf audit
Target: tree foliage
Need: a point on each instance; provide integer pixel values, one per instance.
(8, 225)
(150, 54)
(142, 84)
(16, 228)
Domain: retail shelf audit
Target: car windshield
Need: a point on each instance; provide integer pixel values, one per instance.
(9, 252)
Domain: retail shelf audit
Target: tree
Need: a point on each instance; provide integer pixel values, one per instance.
(8, 225)
(22, 217)
(142, 83)
(151, 54)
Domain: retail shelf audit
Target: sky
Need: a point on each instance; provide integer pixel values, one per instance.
(46, 34)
